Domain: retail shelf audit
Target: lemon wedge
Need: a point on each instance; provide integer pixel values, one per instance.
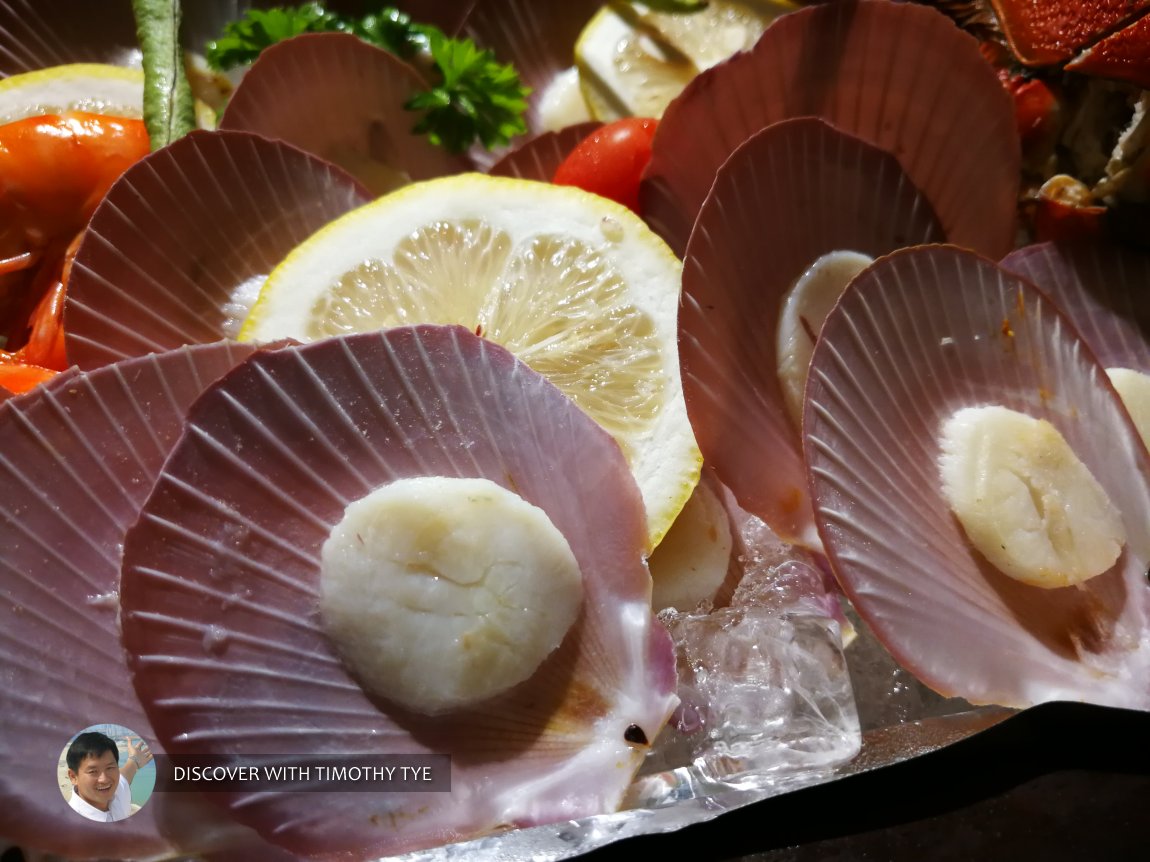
(93, 87)
(576, 286)
(633, 61)
(624, 71)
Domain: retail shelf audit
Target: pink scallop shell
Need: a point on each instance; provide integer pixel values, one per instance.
(920, 334)
(788, 195)
(900, 76)
(538, 158)
(222, 582)
(1103, 287)
(342, 99)
(79, 457)
(35, 34)
(182, 229)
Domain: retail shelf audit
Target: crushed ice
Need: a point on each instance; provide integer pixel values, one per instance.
(763, 682)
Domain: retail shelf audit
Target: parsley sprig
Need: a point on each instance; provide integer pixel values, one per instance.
(472, 94)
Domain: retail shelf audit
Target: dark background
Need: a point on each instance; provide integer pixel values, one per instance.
(1056, 782)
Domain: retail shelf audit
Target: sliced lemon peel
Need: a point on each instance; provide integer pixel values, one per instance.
(96, 88)
(574, 285)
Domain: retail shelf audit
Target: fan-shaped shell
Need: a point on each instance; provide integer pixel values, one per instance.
(917, 336)
(342, 99)
(900, 76)
(790, 194)
(186, 228)
(1103, 287)
(78, 458)
(222, 585)
(36, 34)
(538, 158)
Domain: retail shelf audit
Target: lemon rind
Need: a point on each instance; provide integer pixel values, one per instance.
(99, 87)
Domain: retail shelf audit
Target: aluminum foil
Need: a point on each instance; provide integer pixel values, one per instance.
(881, 747)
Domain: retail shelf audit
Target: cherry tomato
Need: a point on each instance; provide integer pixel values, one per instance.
(610, 160)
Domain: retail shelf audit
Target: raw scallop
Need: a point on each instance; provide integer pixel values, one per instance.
(222, 577)
(919, 335)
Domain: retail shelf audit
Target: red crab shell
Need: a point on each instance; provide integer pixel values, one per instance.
(1106, 38)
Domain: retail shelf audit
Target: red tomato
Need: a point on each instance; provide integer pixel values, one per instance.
(610, 160)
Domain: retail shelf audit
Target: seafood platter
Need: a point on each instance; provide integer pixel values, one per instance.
(645, 408)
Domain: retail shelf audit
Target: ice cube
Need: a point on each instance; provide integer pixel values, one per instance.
(792, 584)
(776, 575)
(762, 694)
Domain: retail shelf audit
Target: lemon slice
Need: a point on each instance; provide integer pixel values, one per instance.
(634, 61)
(576, 286)
(97, 88)
(93, 87)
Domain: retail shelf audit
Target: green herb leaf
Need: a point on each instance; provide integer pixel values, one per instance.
(475, 97)
(169, 109)
(479, 97)
(393, 31)
(243, 40)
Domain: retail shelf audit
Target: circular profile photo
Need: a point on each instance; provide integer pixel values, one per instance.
(106, 773)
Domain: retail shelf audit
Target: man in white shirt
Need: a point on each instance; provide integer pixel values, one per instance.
(101, 789)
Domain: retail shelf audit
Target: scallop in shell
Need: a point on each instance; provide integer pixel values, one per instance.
(920, 335)
(222, 591)
(793, 192)
(79, 456)
(1102, 286)
(36, 35)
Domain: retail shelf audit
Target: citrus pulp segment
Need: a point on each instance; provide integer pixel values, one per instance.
(574, 285)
